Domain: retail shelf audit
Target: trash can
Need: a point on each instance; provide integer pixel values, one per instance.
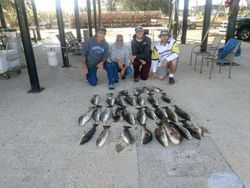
(52, 57)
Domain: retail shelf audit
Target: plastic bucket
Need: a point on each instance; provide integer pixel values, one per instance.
(52, 57)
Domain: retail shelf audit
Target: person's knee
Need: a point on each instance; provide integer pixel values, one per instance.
(173, 62)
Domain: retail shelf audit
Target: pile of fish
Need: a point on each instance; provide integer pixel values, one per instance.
(172, 122)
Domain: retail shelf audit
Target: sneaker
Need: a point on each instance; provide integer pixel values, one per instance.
(111, 87)
(171, 80)
(137, 79)
(123, 77)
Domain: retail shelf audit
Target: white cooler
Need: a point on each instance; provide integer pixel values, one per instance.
(3, 62)
(9, 59)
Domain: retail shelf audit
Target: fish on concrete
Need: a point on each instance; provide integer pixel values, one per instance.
(110, 99)
(141, 116)
(195, 131)
(171, 114)
(126, 135)
(152, 100)
(182, 130)
(165, 98)
(117, 116)
(173, 135)
(103, 137)
(88, 134)
(86, 117)
(138, 91)
(97, 114)
(161, 136)
(128, 116)
(156, 89)
(120, 102)
(106, 114)
(183, 114)
(146, 135)
(161, 113)
(130, 99)
(146, 90)
(95, 100)
(140, 101)
(123, 92)
(150, 113)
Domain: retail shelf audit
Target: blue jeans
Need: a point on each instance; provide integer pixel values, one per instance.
(127, 71)
(91, 76)
(112, 73)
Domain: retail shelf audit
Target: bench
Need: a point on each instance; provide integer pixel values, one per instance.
(73, 43)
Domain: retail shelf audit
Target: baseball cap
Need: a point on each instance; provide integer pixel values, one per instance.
(164, 32)
(138, 28)
(101, 29)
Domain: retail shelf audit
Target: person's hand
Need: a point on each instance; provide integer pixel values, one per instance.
(123, 72)
(120, 64)
(143, 62)
(84, 71)
(99, 66)
(132, 58)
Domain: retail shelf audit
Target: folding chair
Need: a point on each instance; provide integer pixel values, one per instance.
(228, 58)
(210, 49)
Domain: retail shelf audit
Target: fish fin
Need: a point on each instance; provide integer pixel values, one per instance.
(106, 126)
(127, 127)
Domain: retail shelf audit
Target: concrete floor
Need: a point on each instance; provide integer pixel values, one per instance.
(39, 132)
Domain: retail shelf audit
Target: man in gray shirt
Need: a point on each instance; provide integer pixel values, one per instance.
(121, 57)
(95, 53)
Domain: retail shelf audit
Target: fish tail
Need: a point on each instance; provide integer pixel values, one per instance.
(95, 125)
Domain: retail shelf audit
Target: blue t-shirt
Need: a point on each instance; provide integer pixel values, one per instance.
(95, 52)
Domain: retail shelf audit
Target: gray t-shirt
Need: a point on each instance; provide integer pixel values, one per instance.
(95, 52)
(122, 53)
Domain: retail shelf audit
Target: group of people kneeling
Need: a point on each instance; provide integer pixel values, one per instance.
(162, 59)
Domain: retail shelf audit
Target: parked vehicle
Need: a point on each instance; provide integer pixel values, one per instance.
(242, 30)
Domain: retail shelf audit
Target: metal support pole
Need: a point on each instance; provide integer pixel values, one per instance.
(77, 21)
(3, 23)
(233, 12)
(36, 19)
(176, 22)
(170, 24)
(28, 50)
(60, 23)
(95, 18)
(99, 13)
(206, 24)
(89, 18)
(185, 22)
